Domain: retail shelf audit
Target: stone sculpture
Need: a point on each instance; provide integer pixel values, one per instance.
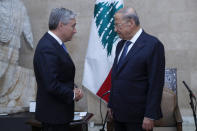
(17, 84)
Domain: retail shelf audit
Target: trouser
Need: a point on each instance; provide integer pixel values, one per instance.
(122, 126)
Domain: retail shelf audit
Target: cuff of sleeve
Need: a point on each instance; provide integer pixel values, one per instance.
(150, 118)
(73, 95)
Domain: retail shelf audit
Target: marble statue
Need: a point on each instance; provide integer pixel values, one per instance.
(17, 84)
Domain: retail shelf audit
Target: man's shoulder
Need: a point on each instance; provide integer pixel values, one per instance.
(151, 39)
(45, 38)
(44, 43)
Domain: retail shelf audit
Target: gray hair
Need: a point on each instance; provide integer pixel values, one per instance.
(60, 15)
(130, 13)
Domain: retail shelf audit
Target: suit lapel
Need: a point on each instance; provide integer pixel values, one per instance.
(118, 50)
(138, 45)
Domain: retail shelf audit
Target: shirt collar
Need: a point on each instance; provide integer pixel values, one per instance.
(55, 37)
(136, 36)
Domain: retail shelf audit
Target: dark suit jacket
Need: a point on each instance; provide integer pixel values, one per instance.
(138, 84)
(54, 71)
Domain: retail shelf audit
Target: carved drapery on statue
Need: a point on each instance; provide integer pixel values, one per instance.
(17, 84)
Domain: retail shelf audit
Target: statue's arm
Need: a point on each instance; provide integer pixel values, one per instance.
(27, 29)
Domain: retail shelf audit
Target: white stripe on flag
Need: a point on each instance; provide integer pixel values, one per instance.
(98, 62)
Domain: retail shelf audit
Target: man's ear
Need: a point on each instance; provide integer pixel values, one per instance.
(131, 22)
(60, 24)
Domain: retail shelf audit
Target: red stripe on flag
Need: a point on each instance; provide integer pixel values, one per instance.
(105, 87)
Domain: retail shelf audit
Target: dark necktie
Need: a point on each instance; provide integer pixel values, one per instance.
(124, 53)
(64, 47)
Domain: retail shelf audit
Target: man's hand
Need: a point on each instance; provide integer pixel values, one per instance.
(78, 94)
(147, 124)
(110, 113)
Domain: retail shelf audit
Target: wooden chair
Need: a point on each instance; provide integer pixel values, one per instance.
(172, 120)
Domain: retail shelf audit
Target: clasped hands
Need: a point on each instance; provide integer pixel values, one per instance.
(78, 94)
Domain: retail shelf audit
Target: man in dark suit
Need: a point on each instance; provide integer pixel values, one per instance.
(55, 72)
(137, 75)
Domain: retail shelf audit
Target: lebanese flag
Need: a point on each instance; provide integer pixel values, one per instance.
(101, 48)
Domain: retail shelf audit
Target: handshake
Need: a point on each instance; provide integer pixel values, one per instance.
(77, 93)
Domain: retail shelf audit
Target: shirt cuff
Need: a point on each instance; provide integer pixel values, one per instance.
(150, 118)
(74, 96)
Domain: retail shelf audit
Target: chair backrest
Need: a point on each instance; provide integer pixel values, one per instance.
(169, 99)
(171, 79)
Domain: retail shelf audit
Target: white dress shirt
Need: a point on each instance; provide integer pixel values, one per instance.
(133, 40)
(55, 37)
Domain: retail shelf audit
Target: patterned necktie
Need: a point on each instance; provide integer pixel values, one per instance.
(64, 47)
(124, 53)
